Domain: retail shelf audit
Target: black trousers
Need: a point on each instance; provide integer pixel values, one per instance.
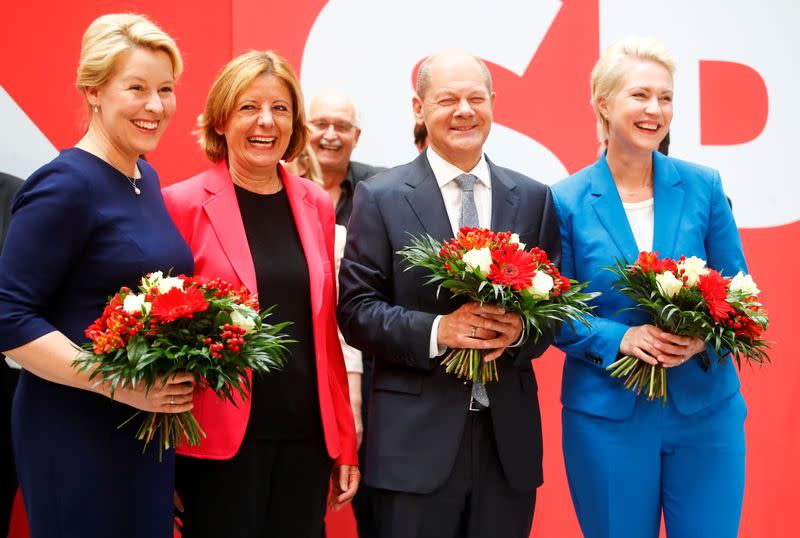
(476, 501)
(270, 489)
(8, 482)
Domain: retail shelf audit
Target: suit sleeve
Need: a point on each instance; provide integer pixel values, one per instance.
(722, 243)
(337, 375)
(52, 223)
(369, 317)
(599, 342)
(550, 242)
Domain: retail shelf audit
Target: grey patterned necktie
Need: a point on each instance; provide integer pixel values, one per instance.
(469, 217)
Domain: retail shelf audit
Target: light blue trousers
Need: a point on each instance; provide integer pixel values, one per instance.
(623, 473)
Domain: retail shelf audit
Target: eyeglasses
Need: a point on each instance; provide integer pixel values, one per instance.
(338, 126)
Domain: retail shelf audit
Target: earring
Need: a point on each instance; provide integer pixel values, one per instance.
(95, 108)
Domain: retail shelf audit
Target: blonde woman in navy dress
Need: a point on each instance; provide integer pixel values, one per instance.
(629, 459)
(85, 224)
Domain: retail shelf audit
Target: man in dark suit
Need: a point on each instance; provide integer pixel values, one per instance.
(447, 458)
(8, 377)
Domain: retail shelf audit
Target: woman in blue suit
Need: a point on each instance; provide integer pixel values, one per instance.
(85, 224)
(628, 458)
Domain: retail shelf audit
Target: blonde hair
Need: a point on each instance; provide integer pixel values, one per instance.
(109, 36)
(609, 72)
(307, 158)
(229, 85)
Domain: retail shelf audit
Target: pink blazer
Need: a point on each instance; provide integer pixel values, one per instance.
(206, 212)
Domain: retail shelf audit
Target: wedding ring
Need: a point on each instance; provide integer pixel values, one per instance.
(474, 330)
(172, 401)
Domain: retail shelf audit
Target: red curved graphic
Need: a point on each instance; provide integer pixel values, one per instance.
(733, 103)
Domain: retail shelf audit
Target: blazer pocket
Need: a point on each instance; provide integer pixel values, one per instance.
(398, 383)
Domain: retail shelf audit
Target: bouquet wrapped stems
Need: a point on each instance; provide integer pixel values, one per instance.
(641, 377)
(469, 364)
(168, 427)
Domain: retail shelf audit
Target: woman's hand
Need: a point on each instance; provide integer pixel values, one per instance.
(674, 350)
(654, 346)
(174, 396)
(344, 484)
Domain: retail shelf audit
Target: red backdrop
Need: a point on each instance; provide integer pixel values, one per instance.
(41, 42)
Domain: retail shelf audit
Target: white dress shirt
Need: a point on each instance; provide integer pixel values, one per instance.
(445, 174)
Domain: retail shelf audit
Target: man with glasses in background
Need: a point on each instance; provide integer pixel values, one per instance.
(334, 135)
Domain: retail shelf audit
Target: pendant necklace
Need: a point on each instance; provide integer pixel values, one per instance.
(132, 180)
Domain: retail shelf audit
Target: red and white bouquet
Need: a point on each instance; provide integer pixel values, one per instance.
(495, 268)
(181, 324)
(686, 298)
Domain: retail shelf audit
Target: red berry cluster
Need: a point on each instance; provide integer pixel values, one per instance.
(232, 339)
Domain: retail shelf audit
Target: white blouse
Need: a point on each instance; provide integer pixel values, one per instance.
(641, 217)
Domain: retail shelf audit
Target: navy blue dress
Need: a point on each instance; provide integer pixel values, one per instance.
(79, 233)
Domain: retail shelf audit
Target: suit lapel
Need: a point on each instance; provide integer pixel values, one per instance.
(306, 219)
(608, 207)
(425, 199)
(223, 212)
(668, 196)
(505, 201)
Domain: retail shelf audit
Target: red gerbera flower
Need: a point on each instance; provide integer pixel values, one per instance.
(714, 288)
(512, 267)
(649, 261)
(473, 238)
(177, 304)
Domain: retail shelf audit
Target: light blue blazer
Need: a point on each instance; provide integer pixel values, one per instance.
(692, 218)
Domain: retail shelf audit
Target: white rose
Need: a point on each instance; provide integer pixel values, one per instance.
(152, 279)
(135, 303)
(693, 269)
(242, 321)
(167, 283)
(744, 283)
(478, 258)
(515, 241)
(541, 286)
(668, 284)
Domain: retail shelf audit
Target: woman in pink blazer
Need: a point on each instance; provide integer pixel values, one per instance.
(265, 466)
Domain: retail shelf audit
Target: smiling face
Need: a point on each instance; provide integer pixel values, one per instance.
(135, 105)
(334, 133)
(456, 107)
(640, 112)
(259, 128)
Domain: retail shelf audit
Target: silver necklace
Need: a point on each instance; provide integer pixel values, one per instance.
(132, 180)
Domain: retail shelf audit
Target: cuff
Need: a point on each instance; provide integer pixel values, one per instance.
(434, 349)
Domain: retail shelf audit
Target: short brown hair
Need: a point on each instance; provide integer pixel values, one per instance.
(234, 79)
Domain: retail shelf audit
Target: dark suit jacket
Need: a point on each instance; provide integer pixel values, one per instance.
(8, 187)
(356, 173)
(418, 411)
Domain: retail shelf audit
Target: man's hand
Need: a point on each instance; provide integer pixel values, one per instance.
(344, 484)
(475, 326)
